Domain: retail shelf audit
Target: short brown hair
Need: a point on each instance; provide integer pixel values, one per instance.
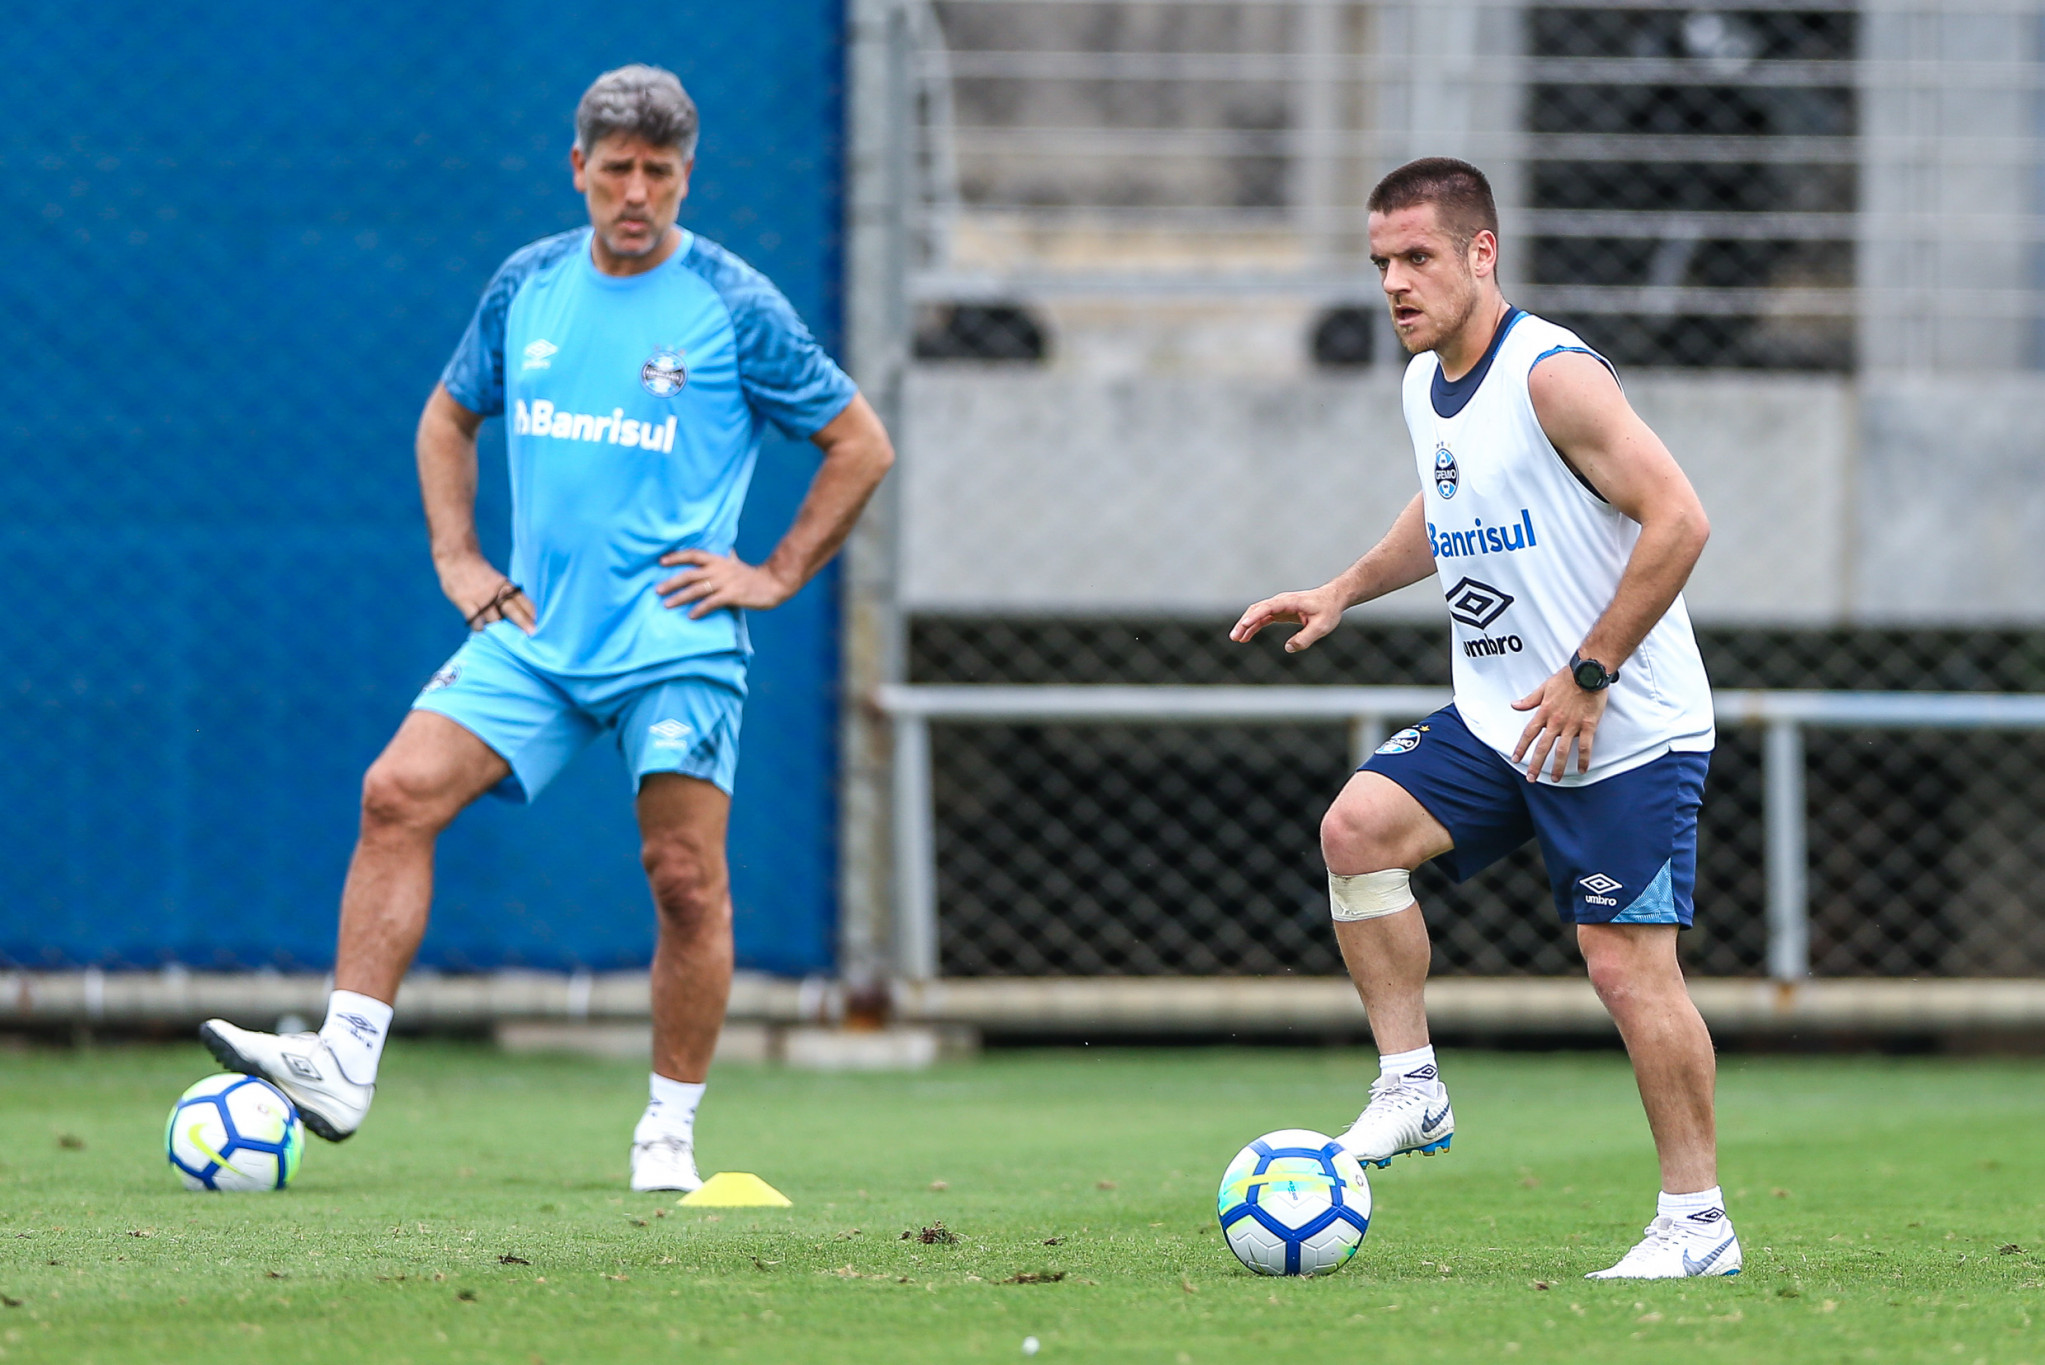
(1459, 192)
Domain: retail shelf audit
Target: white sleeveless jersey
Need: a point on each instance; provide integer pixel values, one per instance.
(1530, 557)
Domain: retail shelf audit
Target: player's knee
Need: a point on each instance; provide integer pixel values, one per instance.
(688, 884)
(1354, 838)
(1612, 978)
(398, 796)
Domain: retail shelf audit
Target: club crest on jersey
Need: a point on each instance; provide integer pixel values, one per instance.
(1405, 742)
(1446, 475)
(664, 374)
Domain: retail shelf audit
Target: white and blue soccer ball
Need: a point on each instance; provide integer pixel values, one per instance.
(233, 1132)
(1294, 1203)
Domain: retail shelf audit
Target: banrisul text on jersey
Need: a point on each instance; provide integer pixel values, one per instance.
(614, 427)
(1482, 539)
(1529, 557)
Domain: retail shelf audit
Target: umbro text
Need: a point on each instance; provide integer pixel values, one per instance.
(1484, 647)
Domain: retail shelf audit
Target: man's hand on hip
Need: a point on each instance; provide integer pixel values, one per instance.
(483, 595)
(1565, 715)
(714, 582)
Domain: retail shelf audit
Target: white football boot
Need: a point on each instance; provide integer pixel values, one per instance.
(1703, 1243)
(1405, 1114)
(665, 1163)
(299, 1064)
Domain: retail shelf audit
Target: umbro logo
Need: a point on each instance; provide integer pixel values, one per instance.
(1425, 1073)
(669, 734)
(363, 1030)
(1476, 604)
(540, 354)
(1708, 1216)
(1598, 889)
(301, 1067)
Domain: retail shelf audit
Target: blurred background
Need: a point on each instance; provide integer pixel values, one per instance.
(1102, 265)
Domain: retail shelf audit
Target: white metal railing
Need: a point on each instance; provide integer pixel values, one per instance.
(1025, 205)
(1368, 712)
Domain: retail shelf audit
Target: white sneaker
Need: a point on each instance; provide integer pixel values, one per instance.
(667, 1163)
(1675, 1249)
(299, 1064)
(1403, 1116)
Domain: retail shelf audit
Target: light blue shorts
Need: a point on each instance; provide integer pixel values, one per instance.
(677, 717)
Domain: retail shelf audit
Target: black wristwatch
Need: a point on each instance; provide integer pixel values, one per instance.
(1590, 675)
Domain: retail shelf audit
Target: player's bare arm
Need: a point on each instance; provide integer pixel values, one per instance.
(1399, 560)
(1583, 411)
(447, 485)
(857, 455)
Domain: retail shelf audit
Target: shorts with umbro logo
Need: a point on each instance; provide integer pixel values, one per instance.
(676, 717)
(1622, 850)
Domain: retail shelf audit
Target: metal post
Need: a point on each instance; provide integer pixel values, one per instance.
(1366, 732)
(915, 851)
(1317, 114)
(880, 130)
(1789, 910)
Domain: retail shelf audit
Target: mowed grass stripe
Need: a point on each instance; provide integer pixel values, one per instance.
(1874, 1198)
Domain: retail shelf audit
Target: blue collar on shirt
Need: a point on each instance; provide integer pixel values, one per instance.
(1451, 396)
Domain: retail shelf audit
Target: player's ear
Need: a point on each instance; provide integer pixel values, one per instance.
(579, 164)
(1483, 253)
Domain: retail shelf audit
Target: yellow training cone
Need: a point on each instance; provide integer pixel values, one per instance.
(735, 1190)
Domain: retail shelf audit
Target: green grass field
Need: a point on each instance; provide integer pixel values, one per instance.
(1881, 1205)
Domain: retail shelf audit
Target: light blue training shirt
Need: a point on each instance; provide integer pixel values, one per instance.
(633, 412)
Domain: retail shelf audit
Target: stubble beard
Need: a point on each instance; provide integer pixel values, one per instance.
(1465, 305)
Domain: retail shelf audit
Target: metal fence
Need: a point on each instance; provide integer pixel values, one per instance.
(1170, 830)
(1781, 184)
(246, 238)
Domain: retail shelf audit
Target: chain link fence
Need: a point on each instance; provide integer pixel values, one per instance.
(1179, 849)
(1813, 185)
(246, 239)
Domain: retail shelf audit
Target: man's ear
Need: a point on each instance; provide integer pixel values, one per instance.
(1483, 253)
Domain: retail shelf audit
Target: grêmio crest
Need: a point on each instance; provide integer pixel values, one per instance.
(1446, 475)
(664, 374)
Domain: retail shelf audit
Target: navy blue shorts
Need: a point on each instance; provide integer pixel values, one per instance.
(1619, 851)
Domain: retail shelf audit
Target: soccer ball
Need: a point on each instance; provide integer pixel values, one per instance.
(1294, 1203)
(231, 1132)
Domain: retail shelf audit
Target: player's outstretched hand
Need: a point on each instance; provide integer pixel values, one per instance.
(714, 582)
(484, 596)
(1565, 717)
(1315, 611)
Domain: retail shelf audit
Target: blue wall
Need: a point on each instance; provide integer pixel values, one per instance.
(242, 239)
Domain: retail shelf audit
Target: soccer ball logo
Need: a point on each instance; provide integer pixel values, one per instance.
(232, 1132)
(664, 374)
(1294, 1203)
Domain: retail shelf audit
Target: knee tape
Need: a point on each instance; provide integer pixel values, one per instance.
(1369, 895)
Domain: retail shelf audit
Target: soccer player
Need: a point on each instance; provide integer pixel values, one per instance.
(637, 363)
(1562, 533)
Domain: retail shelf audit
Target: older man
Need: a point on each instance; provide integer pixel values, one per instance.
(636, 363)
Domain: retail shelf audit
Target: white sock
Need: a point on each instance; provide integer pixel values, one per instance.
(355, 1029)
(1415, 1068)
(670, 1110)
(1702, 1213)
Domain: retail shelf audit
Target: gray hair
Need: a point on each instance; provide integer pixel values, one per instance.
(645, 102)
